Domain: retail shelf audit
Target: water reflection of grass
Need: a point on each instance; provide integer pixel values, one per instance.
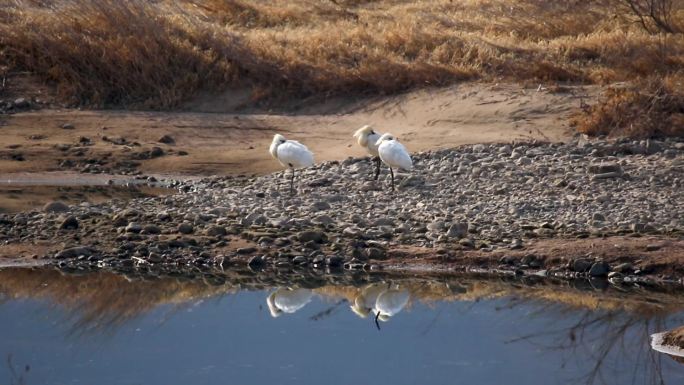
(100, 301)
(105, 300)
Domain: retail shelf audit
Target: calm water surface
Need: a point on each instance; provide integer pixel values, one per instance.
(108, 329)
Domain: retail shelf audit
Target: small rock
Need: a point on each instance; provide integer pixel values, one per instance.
(607, 175)
(69, 223)
(374, 253)
(67, 126)
(74, 252)
(457, 230)
(166, 139)
(134, 227)
(56, 207)
(185, 228)
(624, 268)
(21, 103)
(246, 250)
(523, 161)
(156, 152)
(334, 261)
(255, 262)
(599, 269)
(653, 247)
(435, 226)
(516, 244)
(216, 231)
(321, 205)
(151, 229)
(300, 260)
(581, 265)
(466, 242)
(311, 236)
(479, 147)
(605, 168)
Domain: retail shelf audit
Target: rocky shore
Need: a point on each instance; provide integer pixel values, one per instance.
(487, 201)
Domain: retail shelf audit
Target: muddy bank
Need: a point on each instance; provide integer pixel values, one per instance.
(538, 207)
(18, 198)
(210, 138)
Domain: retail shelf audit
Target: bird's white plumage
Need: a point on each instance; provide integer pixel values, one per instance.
(289, 301)
(393, 153)
(365, 301)
(368, 139)
(290, 153)
(390, 302)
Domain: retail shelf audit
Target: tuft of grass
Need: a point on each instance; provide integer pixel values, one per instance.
(653, 107)
(142, 54)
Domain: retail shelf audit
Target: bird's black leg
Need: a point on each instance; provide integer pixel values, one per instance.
(377, 324)
(292, 182)
(377, 167)
(392, 174)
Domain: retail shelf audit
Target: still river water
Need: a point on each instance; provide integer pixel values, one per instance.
(101, 328)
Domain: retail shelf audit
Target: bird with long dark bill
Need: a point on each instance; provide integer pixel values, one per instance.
(367, 138)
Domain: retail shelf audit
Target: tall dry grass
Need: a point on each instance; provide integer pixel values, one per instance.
(138, 53)
(651, 107)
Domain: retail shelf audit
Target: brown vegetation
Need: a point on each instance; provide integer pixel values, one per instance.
(653, 107)
(157, 54)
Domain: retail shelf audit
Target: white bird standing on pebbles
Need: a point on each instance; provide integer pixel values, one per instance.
(286, 300)
(368, 138)
(291, 154)
(393, 154)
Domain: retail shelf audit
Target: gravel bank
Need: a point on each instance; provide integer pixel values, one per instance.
(483, 198)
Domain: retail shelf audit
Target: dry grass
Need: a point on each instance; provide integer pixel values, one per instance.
(652, 107)
(137, 53)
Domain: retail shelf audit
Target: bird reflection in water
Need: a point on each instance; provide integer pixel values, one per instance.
(287, 300)
(381, 300)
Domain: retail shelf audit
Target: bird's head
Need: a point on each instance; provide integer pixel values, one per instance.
(360, 310)
(385, 137)
(362, 133)
(278, 139)
(272, 308)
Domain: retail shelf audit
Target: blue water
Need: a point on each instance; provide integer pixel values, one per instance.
(233, 339)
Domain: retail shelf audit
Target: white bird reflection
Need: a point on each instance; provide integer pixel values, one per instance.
(287, 300)
(382, 300)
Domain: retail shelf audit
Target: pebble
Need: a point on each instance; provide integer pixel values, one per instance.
(134, 227)
(56, 207)
(151, 229)
(216, 231)
(599, 269)
(185, 228)
(503, 196)
(69, 223)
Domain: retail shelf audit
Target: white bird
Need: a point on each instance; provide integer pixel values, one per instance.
(364, 302)
(286, 300)
(367, 138)
(291, 154)
(393, 154)
(389, 303)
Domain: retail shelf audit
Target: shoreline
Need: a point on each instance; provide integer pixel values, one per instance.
(613, 217)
